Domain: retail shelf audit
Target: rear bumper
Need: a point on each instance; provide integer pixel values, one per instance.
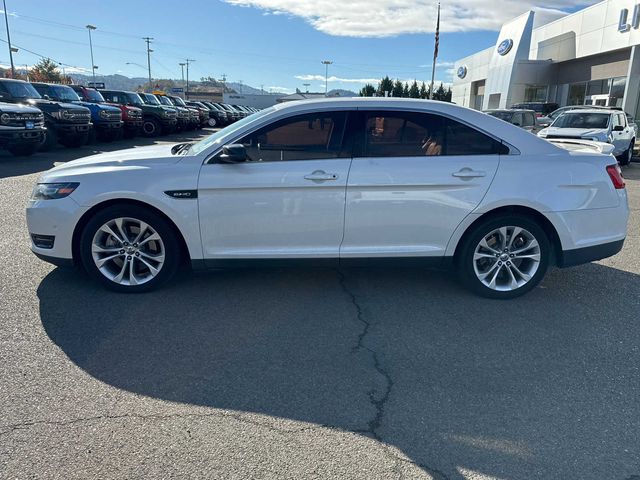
(579, 256)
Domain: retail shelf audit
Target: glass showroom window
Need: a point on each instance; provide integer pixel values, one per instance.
(535, 93)
(577, 93)
(617, 91)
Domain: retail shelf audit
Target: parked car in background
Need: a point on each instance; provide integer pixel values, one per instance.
(220, 115)
(66, 123)
(598, 125)
(194, 113)
(235, 114)
(106, 119)
(21, 128)
(131, 116)
(542, 109)
(184, 114)
(342, 181)
(156, 119)
(525, 119)
(203, 113)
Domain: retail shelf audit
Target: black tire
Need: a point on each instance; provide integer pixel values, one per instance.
(76, 141)
(172, 250)
(49, 140)
(465, 256)
(24, 150)
(151, 128)
(625, 158)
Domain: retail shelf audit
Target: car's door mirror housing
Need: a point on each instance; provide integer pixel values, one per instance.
(618, 128)
(234, 153)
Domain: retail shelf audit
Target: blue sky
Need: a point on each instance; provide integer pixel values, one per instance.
(278, 44)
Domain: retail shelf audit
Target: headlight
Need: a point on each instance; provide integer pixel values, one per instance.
(5, 118)
(53, 191)
(103, 114)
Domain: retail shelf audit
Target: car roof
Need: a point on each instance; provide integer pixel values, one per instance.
(593, 110)
(510, 110)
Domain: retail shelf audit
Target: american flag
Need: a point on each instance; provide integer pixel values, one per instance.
(437, 45)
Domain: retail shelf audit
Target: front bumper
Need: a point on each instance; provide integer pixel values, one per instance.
(54, 218)
(107, 126)
(133, 124)
(71, 129)
(17, 136)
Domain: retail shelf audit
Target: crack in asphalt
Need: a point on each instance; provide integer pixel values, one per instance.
(378, 403)
(7, 429)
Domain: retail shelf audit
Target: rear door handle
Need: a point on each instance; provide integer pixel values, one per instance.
(321, 176)
(467, 173)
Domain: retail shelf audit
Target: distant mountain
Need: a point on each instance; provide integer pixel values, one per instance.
(114, 82)
(338, 92)
(242, 88)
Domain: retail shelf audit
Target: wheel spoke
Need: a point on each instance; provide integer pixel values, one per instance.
(118, 278)
(108, 230)
(514, 281)
(532, 256)
(478, 256)
(156, 258)
(132, 276)
(143, 228)
(503, 237)
(154, 236)
(523, 275)
(492, 283)
(514, 235)
(484, 244)
(99, 249)
(102, 261)
(484, 275)
(154, 271)
(118, 223)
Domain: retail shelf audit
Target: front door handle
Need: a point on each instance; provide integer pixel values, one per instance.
(468, 173)
(321, 176)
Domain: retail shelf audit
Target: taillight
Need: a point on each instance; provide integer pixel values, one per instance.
(615, 174)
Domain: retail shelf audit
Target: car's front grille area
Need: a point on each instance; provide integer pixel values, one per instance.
(78, 116)
(113, 116)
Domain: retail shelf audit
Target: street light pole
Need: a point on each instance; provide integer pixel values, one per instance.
(93, 65)
(148, 40)
(6, 21)
(326, 64)
(187, 61)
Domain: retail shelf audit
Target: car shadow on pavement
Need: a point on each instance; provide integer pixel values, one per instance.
(11, 166)
(544, 386)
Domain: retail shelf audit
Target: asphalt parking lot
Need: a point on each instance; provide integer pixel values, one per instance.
(314, 373)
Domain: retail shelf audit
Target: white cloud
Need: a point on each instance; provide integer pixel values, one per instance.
(382, 18)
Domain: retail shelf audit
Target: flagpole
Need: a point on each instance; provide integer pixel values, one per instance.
(435, 54)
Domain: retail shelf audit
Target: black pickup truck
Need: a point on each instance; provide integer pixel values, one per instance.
(66, 123)
(21, 129)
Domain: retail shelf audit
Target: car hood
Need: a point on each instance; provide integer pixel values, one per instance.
(132, 158)
(96, 105)
(574, 132)
(17, 108)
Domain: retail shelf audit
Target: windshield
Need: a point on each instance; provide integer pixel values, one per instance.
(179, 101)
(216, 137)
(21, 90)
(66, 94)
(506, 116)
(134, 99)
(93, 95)
(165, 101)
(149, 99)
(582, 120)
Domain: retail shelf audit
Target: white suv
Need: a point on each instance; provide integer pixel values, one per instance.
(337, 182)
(598, 125)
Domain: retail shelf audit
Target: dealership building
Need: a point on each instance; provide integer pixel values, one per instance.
(591, 57)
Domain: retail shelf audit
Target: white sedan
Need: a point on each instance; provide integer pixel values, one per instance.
(337, 182)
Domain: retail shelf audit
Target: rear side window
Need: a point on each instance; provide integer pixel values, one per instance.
(409, 134)
(302, 137)
(528, 119)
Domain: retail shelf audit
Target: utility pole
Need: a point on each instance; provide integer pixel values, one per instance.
(6, 21)
(148, 40)
(182, 68)
(93, 65)
(436, 47)
(326, 64)
(187, 61)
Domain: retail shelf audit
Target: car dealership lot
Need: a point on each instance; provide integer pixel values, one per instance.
(317, 373)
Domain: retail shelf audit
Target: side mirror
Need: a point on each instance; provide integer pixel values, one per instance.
(618, 128)
(235, 153)
(46, 97)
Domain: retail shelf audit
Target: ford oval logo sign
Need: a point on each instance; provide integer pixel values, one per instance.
(462, 72)
(505, 47)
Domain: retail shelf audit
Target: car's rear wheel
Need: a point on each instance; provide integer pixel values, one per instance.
(504, 257)
(129, 249)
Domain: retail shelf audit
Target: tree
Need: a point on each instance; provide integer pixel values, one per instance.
(414, 91)
(368, 91)
(397, 89)
(405, 92)
(385, 88)
(440, 93)
(424, 93)
(46, 70)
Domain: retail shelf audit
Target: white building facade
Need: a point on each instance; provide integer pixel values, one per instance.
(591, 57)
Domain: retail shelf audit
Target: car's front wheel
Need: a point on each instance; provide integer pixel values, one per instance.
(129, 249)
(627, 156)
(504, 257)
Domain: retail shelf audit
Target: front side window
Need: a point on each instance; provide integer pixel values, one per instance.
(303, 137)
(408, 134)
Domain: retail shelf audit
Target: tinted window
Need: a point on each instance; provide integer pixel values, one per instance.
(517, 119)
(528, 119)
(303, 137)
(394, 134)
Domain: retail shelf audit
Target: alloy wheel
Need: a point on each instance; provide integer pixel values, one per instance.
(507, 258)
(128, 251)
